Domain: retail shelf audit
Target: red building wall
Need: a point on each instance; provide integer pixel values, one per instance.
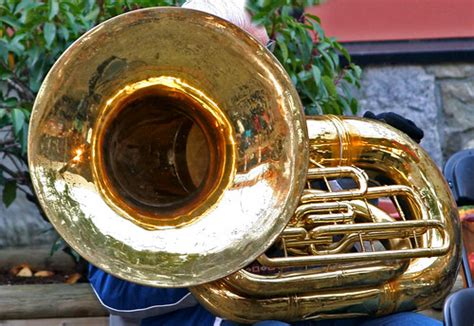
(382, 20)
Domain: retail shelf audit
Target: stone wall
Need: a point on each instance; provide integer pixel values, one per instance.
(438, 98)
(21, 225)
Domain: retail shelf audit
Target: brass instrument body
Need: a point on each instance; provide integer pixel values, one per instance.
(178, 224)
(402, 280)
(176, 152)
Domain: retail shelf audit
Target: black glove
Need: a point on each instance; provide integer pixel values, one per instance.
(399, 122)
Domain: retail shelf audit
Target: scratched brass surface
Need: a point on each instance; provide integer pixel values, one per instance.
(197, 72)
(320, 273)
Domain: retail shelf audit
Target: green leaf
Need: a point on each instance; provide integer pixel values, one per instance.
(331, 88)
(49, 31)
(313, 109)
(15, 44)
(334, 58)
(23, 139)
(9, 21)
(316, 74)
(357, 70)
(64, 33)
(10, 102)
(33, 56)
(2, 178)
(306, 91)
(9, 193)
(343, 51)
(317, 28)
(92, 15)
(354, 106)
(73, 25)
(328, 60)
(23, 6)
(283, 47)
(58, 244)
(345, 105)
(53, 9)
(304, 75)
(349, 77)
(37, 72)
(4, 75)
(3, 51)
(18, 119)
(323, 46)
(345, 89)
(313, 17)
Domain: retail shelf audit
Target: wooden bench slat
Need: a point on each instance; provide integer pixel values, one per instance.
(49, 301)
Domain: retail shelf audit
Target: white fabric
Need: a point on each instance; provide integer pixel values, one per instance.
(231, 10)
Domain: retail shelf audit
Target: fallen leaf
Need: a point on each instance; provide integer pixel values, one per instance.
(43, 274)
(25, 272)
(16, 269)
(73, 278)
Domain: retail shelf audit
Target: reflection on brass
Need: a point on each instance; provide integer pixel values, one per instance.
(179, 133)
(140, 152)
(340, 256)
(169, 148)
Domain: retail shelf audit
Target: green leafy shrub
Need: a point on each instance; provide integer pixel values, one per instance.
(33, 34)
(311, 58)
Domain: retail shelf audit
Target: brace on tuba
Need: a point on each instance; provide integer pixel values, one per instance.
(341, 256)
(169, 148)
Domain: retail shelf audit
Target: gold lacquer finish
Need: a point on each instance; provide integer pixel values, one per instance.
(148, 126)
(340, 256)
(159, 139)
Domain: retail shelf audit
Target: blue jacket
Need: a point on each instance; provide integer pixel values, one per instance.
(156, 306)
(177, 307)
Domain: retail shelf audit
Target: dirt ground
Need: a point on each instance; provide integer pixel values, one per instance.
(7, 279)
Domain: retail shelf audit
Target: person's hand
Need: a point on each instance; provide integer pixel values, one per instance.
(399, 122)
(233, 11)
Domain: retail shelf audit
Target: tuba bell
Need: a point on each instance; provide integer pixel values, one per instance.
(169, 148)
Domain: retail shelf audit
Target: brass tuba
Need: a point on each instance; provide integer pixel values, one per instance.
(169, 148)
(341, 256)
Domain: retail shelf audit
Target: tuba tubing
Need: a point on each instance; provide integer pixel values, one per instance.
(374, 146)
